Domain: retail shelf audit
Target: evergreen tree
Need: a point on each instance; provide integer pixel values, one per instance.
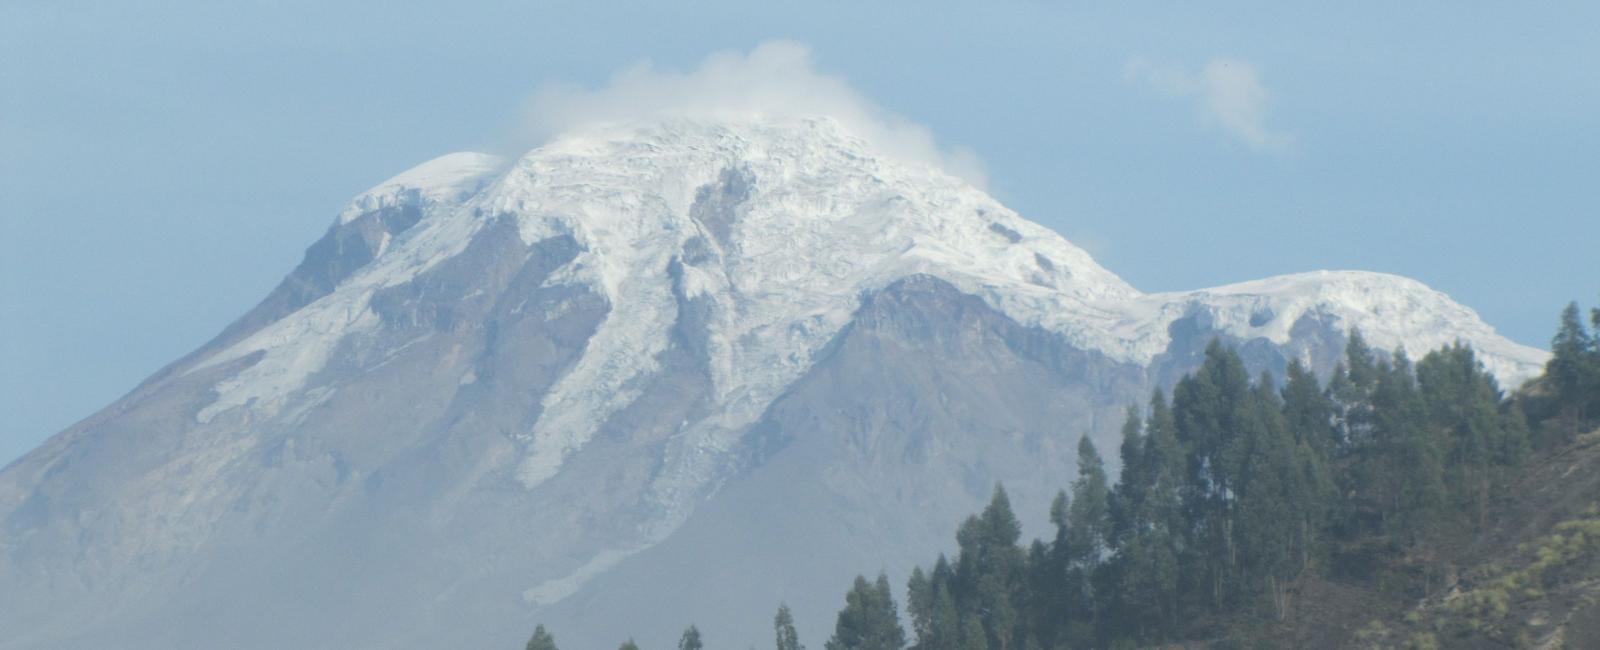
(1128, 497)
(1573, 372)
(944, 630)
(1149, 573)
(1350, 390)
(629, 645)
(990, 573)
(1408, 471)
(869, 620)
(541, 640)
(1309, 415)
(783, 627)
(1308, 410)
(1271, 494)
(920, 607)
(1462, 402)
(690, 639)
(973, 636)
(1085, 535)
(1209, 408)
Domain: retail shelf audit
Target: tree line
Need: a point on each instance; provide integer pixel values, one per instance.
(1231, 493)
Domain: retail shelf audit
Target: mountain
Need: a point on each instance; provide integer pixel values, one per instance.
(645, 375)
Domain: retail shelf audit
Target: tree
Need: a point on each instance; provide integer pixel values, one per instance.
(783, 627)
(690, 639)
(1148, 572)
(1573, 372)
(1210, 408)
(1462, 402)
(1408, 469)
(1128, 498)
(919, 608)
(1088, 528)
(541, 640)
(1308, 412)
(869, 620)
(1271, 498)
(1350, 390)
(629, 645)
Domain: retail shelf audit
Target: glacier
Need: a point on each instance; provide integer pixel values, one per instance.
(549, 387)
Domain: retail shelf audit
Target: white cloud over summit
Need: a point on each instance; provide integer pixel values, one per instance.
(777, 78)
(1228, 94)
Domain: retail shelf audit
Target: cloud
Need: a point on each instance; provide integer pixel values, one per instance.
(1227, 92)
(777, 78)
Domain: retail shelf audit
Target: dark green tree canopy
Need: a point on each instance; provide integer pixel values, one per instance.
(541, 640)
(869, 620)
(783, 627)
(690, 639)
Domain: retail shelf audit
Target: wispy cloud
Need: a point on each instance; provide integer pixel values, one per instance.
(777, 78)
(1227, 92)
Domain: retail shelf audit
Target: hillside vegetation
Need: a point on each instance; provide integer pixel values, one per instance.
(1400, 505)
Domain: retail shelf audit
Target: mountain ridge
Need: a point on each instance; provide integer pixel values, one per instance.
(607, 334)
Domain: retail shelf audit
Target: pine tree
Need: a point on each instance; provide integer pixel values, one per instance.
(1128, 497)
(1462, 402)
(990, 570)
(1572, 368)
(944, 628)
(783, 627)
(1309, 414)
(1350, 389)
(1209, 408)
(1308, 410)
(1152, 580)
(920, 607)
(1087, 531)
(541, 640)
(1409, 471)
(869, 620)
(690, 639)
(1270, 498)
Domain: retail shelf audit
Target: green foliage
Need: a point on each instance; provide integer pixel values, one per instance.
(783, 627)
(1573, 371)
(690, 639)
(629, 645)
(869, 620)
(1487, 607)
(541, 640)
(1233, 492)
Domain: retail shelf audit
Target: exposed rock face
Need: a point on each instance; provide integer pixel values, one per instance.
(643, 376)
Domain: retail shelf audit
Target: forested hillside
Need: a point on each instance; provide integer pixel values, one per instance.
(1399, 504)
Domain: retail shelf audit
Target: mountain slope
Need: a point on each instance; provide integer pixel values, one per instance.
(505, 390)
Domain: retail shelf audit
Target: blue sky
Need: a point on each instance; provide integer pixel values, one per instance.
(163, 164)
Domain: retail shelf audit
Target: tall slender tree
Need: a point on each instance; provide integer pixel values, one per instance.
(783, 628)
(1573, 370)
(1209, 408)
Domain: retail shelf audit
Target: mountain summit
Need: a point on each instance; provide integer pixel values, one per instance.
(647, 374)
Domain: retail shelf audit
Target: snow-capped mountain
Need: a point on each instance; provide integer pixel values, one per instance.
(646, 374)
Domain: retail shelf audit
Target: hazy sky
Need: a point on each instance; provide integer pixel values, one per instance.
(164, 164)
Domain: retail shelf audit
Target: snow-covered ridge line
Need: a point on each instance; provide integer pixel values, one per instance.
(299, 345)
(1392, 312)
(779, 225)
(448, 178)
